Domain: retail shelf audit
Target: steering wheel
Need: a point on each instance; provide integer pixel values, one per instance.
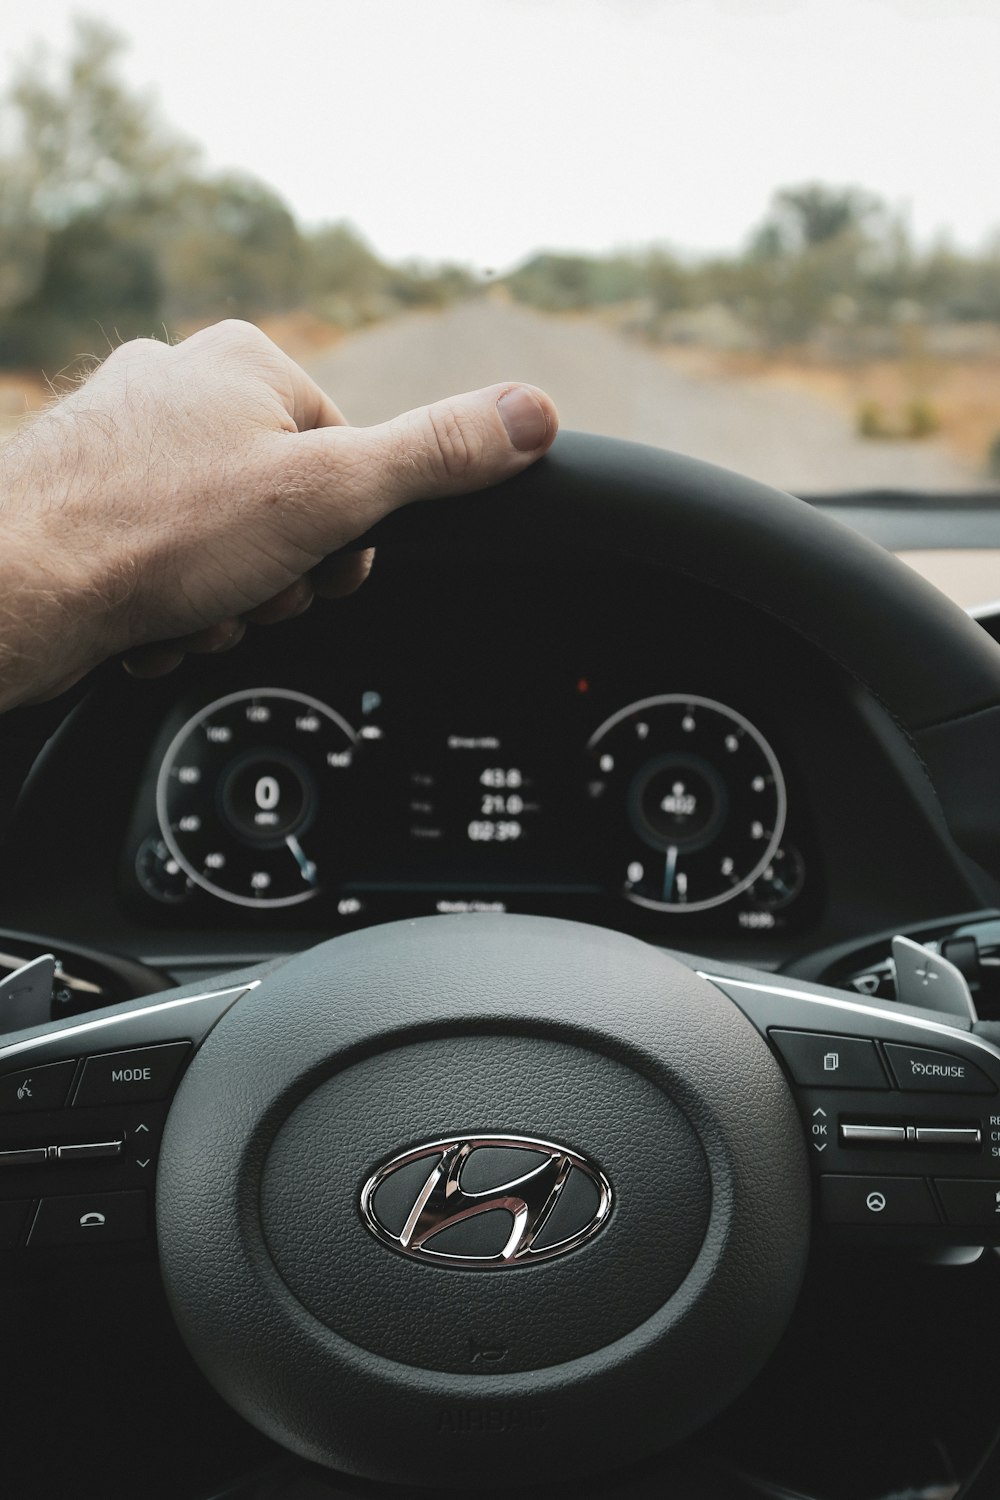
(434, 1201)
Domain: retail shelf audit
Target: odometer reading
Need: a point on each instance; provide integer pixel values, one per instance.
(692, 798)
(250, 794)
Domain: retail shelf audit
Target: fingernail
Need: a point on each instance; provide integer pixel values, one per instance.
(524, 418)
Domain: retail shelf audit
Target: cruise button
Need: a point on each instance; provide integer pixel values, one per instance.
(832, 1062)
(918, 1069)
(131, 1077)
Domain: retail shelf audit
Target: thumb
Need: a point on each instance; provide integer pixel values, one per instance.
(453, 446)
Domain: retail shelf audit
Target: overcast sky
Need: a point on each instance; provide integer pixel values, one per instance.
(479, 130)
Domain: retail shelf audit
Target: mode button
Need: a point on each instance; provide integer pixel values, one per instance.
(131, 1077)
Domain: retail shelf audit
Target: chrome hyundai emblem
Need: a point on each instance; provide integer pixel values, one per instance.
(545, 1205)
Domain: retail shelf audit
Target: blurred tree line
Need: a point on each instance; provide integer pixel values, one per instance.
(110, 228)
(827, 263)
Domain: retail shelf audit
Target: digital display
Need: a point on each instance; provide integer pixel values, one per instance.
(471, 789)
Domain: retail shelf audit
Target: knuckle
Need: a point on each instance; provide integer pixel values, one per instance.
(237, 328)
(137, 349)
(238, 331)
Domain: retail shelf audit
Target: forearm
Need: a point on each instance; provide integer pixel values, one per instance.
(41, 631)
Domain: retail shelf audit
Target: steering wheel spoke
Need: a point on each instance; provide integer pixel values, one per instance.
(900, 1108)
(82, 1110)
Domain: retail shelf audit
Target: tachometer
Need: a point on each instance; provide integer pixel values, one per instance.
(250, 797)
(692, 797)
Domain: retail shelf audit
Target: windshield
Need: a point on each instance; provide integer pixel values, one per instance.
(764, 232)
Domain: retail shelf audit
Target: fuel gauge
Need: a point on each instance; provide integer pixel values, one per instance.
(781, 881)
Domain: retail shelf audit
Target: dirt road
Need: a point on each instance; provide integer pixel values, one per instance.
(602, 382)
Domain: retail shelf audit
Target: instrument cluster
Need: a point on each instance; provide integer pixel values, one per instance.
(672, 810)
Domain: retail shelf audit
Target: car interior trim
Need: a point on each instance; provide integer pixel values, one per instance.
(876, 1012)
(86, 1028)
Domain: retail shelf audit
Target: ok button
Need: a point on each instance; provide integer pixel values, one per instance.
(131, 1077)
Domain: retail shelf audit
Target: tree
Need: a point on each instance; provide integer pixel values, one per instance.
(82, 140)
(87, 165)
(814, 214)
(227, 245)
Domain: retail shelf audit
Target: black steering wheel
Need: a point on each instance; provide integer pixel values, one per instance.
(438, 1201)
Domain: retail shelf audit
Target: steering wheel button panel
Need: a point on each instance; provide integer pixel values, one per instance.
(90, 1219)
(131, 1077)
(876, 1200)
(816, 1060)
(36, 1088)
(918, 1069)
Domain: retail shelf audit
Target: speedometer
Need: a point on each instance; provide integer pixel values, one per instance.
(250, 796)
(692, 799)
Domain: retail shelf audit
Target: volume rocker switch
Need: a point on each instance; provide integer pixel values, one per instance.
(968, 1136)
(90, 1151)
(873, 1135)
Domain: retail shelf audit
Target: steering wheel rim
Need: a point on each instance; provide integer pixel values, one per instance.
(659, 507)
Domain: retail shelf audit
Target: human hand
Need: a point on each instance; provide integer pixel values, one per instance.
(185, 489)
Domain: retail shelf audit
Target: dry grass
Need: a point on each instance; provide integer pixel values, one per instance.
(301, 335)
(962, 392)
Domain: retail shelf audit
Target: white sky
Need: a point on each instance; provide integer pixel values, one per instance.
(479, 130)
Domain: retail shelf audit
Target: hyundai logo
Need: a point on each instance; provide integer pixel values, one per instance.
(486, 1202)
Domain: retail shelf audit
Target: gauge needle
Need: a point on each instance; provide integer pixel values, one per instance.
(670, 872)
(306, 865)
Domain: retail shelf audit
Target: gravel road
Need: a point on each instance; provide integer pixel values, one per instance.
(602, 382)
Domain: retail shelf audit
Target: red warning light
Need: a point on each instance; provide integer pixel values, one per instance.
(582, 686)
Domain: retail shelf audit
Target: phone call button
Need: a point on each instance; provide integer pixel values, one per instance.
(90, 1219)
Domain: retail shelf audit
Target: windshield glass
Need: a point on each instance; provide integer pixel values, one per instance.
(764, 232)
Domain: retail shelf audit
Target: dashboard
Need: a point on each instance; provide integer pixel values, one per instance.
(484, 729)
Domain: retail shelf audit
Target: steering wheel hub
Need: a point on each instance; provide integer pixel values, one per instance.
(494, 1085)
(409, 1308)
